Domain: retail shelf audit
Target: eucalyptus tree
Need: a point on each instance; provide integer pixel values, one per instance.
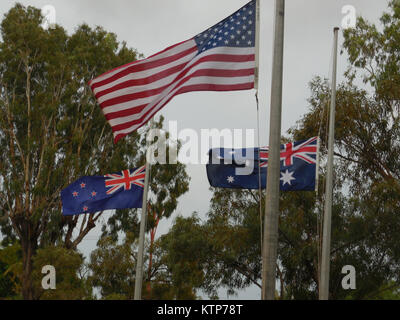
(51, 130)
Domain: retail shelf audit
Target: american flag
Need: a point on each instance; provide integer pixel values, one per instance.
(305, 150)
(222, 58)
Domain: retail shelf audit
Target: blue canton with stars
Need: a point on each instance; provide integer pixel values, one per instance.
(237, 30)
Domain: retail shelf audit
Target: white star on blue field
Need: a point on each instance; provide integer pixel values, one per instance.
(238, 30)
(287, 177)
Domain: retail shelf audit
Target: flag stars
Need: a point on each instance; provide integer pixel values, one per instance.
(75, 194)
(85, 209)
(230, 31)
(230, 179)
(83, 185)
(94, 193)
(287, 177)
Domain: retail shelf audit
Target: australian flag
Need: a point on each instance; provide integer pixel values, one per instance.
(247, 168)
(91, 194)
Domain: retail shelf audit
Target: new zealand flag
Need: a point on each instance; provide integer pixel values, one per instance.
(247, 168)
(91, 194)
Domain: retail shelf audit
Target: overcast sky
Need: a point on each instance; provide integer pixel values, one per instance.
(152, 25)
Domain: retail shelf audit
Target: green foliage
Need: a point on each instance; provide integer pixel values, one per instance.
(112, 269)
(233, 228)
(51, 129)
(183, 254)
(222, 252)
(70, 280)
(177, 267)
(367, 156)
(53, 132)
(365, 217)
(10, 271)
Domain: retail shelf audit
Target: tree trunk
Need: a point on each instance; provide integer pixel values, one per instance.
(28, 246)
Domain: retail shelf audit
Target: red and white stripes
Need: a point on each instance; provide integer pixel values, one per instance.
(131, 94)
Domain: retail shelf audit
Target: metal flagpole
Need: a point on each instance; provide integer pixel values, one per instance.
(257, 46)
(256, 81)
(317, 163)
(326, 240)
(270, 237)
(139, 260)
